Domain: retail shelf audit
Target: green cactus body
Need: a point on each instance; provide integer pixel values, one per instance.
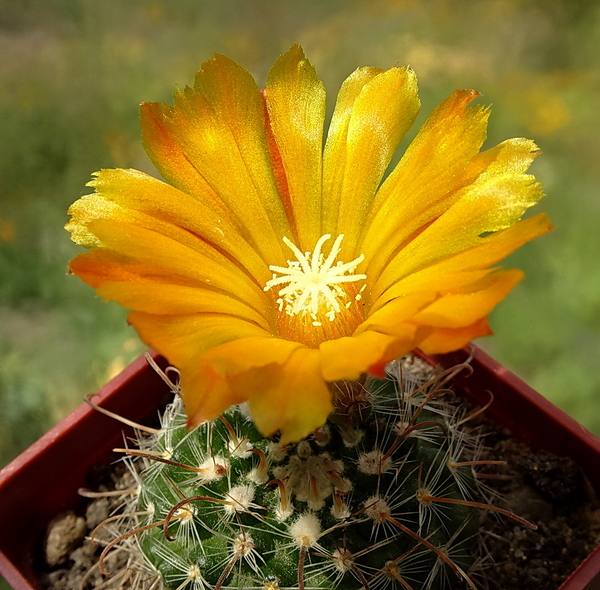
(349, 507)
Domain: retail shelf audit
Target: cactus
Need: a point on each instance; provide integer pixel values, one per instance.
(382, 496)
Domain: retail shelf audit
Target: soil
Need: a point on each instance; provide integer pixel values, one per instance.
(548, 490)
(71, 556)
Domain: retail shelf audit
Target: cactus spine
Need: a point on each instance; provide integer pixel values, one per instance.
(379, 497)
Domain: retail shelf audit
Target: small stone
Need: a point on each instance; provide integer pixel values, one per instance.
(64, 533)
(96, 512)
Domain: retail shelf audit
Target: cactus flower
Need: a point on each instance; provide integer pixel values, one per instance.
(272, 262)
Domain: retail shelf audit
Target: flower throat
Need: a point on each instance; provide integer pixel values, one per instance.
(317, 288)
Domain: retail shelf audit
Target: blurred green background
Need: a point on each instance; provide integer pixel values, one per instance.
(72, 73)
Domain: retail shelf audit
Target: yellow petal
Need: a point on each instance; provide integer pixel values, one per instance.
(105, 271)
(184, 337)
(391, 318)
(235, 98)
(496, 246)
(470, 303)
(432, 168)
(220, 127)
(193, 261)
(122, 194)
(100, 265)
(334, 156)
(444, 340)
(372, 114)
(292, 397)
(170, 299)
(168, 155)
(348, 357)
(222, 376)
(206, 393)
(469, 265)
(295, 100)
(496, 200)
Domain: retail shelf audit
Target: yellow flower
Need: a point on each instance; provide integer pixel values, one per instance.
(273, 264)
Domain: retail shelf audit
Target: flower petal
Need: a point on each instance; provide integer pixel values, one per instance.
(224, 375)
(118, 278)
(295, 100)
(123, 194)
(334, 156)
(393, 317)
(444, 340)
(184, 337)
(496, 200)
(434, 166)
(164, 148)
(219, 127)
(470, 303)
(272, 374)
(100, 265)
(169, 299)
(348, 357)
(372, 114)
(469, 265)
(292, 397)
(194, 261)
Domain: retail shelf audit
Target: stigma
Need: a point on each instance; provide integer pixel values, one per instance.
(313, 283)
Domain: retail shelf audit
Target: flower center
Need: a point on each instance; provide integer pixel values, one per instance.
(313, 283)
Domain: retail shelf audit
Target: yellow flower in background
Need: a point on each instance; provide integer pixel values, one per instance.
(274, 263)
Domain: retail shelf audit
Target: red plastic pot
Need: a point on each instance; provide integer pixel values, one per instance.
(44, 480)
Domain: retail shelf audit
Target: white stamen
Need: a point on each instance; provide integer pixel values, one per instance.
(313, 283)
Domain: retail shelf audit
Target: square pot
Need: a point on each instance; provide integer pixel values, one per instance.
(43, 481)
